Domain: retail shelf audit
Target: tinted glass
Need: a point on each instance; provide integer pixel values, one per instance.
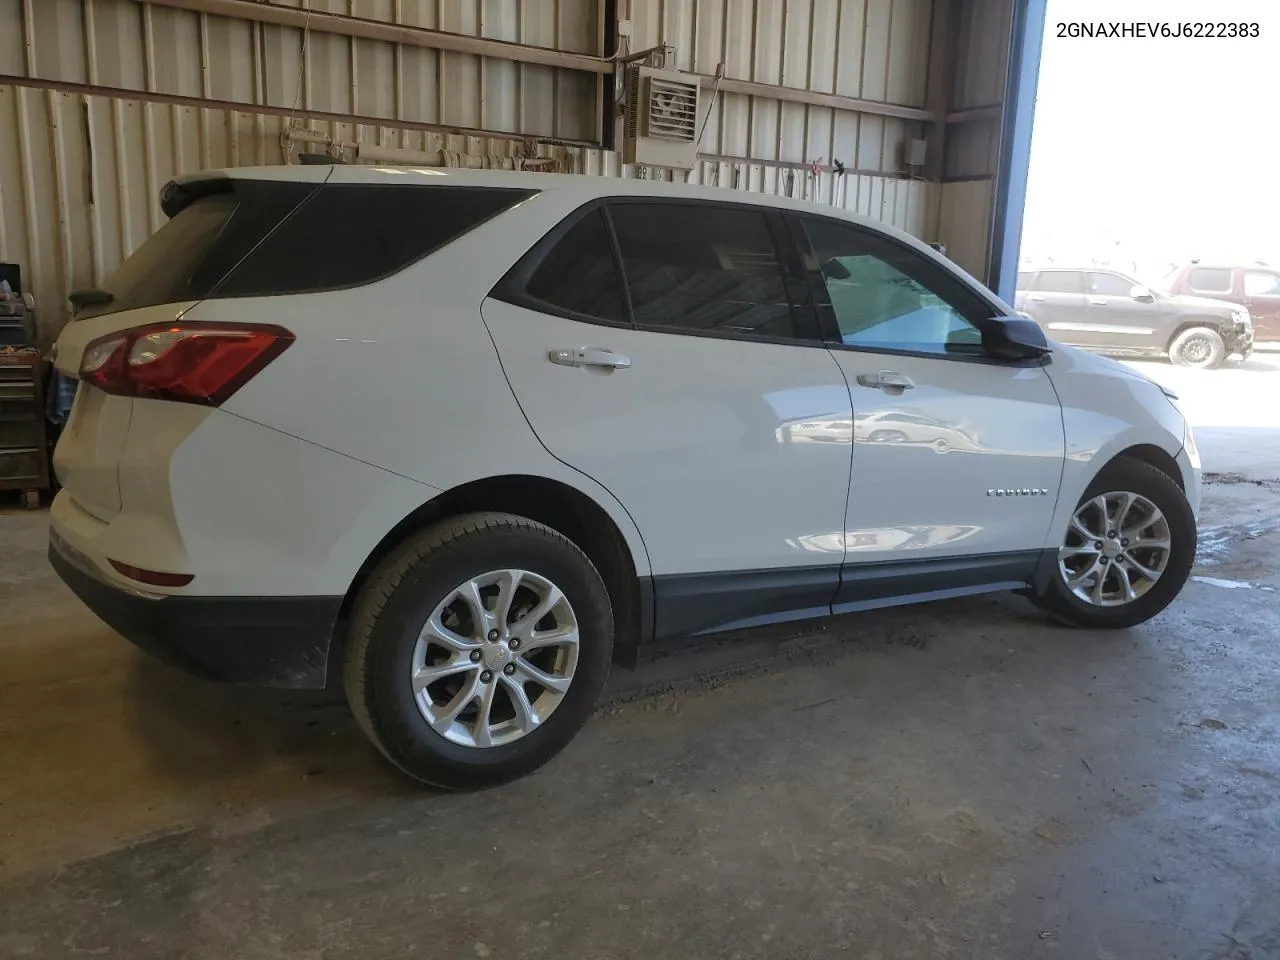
(347, 235)
(1109, 285)
(248, 238)
(1262, 284)
(579, 274)
(887, 296)
(1061, 281)
(1210, 279)
(185, 259)
(702, 268)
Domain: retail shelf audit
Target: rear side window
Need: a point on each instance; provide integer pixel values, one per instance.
(578, 274)
(1257, 284)
(247, 238)
(348, 235)
(1061, 281)
(1025, 280)
(1210, 279)
(703, 268)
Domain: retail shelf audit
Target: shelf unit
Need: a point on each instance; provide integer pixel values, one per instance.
(24, 457)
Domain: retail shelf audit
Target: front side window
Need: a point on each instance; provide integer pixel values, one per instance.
(886, 296)
(1210, 280)
(1026, 281)
(1061, 281)
(1109, 285)
(1260, 284)
(701, 268)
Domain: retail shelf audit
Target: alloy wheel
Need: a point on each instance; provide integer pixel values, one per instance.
(1117, 547)
(495, 658)
(1197, 350)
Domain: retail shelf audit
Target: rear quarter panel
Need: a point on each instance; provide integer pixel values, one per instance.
(403, 375)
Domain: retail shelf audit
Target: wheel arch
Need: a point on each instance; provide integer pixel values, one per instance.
(1153, 456)
(1148, 453)
(561, 507)
(1192, 323)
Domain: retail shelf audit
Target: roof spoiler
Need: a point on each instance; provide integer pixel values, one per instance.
(181, 192)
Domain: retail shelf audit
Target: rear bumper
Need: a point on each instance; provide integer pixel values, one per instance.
(263, 641)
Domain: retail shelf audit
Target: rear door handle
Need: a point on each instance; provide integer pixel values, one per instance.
(589, 357)
(886, 380)
(1097, 303)
(1037, 297)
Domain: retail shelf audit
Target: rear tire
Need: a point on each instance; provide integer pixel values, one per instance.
(1198, 347)
(1080, 562)
(485, 718)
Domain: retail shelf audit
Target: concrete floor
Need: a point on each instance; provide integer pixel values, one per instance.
(962, 780)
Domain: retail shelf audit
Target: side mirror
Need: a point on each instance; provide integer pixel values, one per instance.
(1015, 338)
(833, 269)
(1141, 294)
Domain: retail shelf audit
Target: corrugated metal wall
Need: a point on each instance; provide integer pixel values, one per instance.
(81, 164)
(973, 148)
(874, 50)
(145, 47)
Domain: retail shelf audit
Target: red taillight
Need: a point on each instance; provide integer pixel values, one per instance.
(153, 577)
(201, 363)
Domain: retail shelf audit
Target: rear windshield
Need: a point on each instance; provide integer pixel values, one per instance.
(256, 238)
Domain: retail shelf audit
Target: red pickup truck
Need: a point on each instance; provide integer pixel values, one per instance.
(1255, 287)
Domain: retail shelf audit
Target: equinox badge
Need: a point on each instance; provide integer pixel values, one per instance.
(1021, 492)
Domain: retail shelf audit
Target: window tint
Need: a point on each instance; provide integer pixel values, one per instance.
(1109, 285)
(1025, 281)
(579, 275)
(1061, 281)
(887, 296)
(1210, 279)
(1258, 284)
(246, 238)
(347, 235)
(206, 238)
(702, 268)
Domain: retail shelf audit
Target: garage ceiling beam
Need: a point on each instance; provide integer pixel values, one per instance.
(347, 26)
(344, 25)
(815, 98)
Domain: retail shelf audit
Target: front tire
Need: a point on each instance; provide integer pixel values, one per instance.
(1127, 552)
(477, 650)
(1198, 347)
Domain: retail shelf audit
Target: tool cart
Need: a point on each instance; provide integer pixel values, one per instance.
(24, 451)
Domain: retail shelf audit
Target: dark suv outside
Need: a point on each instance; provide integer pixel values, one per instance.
(1255, 287)
(1106, 311)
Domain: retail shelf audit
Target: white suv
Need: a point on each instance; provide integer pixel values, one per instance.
(465, 438)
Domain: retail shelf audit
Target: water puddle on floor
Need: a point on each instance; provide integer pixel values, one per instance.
(1224, 584)
(1215, 542)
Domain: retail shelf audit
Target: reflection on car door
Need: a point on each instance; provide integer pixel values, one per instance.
(718, 418)
(1262, 298)
(956, 459)
(1115, 320)
(1057, 303)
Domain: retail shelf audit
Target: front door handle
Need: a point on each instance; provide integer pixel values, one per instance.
(1097, 303)
(886, 380)
(589, 357)
(1037, 297)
